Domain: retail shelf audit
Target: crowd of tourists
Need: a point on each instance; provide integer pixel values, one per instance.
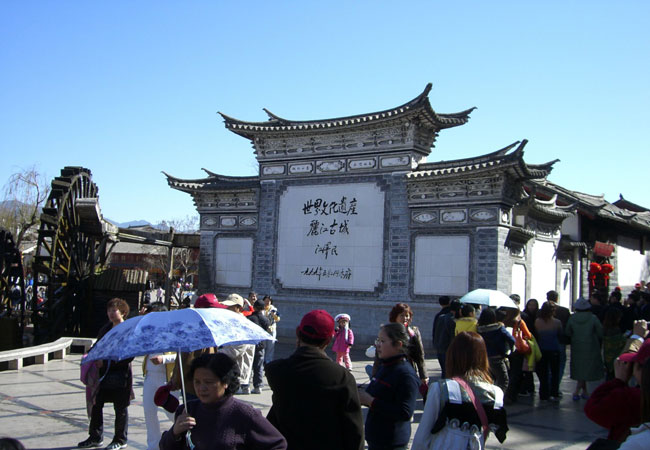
(488, 359)
(607, 338)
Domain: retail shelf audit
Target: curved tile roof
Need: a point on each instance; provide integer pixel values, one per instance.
(213, 180)
(597, 206)
(419, 106)
(626, 204)
(549, 208)
(503, 157)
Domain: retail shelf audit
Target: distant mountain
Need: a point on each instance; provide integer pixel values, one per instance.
(134, 223)
(161, 226)
(139, 223)
(11, 205)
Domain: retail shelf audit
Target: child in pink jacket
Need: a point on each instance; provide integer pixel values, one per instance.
(343, 340)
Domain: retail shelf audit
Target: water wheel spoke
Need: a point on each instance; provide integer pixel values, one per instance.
(62, 269)
(47, 246)
(78, 265)
(60, 246)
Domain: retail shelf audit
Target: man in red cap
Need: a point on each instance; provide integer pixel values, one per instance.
(208, 301)
(315, 401)
(614, 404)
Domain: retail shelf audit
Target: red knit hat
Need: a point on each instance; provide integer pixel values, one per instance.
(317, 324)
(207, 301)
(164, 398)
(641, 356)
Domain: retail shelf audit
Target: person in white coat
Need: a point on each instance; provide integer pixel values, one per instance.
(463, 409)
(157, 370)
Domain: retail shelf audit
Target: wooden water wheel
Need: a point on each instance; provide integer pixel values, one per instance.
(12, 277)
(68, 250)
(12, 293)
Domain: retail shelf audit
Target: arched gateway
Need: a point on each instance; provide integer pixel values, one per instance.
(347, 215)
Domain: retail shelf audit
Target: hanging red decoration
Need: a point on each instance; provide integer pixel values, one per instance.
(606, 268)
(594, 268)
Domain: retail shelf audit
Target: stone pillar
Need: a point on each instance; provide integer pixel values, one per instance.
(397, 241)
(485, 257)
(504, 264)
(207, 270)
(264, 253)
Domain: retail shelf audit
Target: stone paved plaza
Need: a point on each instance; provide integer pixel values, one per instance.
(43, 406)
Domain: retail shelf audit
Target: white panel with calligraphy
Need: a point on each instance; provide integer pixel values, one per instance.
(331, 237)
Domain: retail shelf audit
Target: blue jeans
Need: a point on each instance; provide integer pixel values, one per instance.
(562, 364)
(258, 366)
(442, 357)
(269, 351)
(548, 371)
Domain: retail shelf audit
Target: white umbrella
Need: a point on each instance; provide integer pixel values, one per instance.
(488, 297)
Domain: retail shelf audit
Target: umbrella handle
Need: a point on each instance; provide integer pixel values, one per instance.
(180, 365)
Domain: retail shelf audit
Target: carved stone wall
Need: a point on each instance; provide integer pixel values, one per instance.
(338, 166)
(455, 190)
(405, 136)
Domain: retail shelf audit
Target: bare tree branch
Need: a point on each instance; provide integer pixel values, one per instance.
(25, 192)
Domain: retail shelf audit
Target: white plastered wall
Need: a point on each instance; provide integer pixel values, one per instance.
(519, 282)
(234, 261)
(632, 265)
(441, 265)
(331, 237)
(543, 266)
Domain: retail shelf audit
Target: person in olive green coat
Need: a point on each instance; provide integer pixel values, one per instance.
(586, 334)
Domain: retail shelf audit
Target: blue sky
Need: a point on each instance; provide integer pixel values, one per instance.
(129, 89)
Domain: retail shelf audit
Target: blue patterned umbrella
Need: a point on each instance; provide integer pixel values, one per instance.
(183, 330)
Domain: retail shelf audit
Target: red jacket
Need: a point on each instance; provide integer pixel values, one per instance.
(615, 406)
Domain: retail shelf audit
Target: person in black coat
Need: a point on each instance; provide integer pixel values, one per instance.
(260, 320)
(444, 332)
(392, 392)
(116, 380)
(315, 401)
(436, 335)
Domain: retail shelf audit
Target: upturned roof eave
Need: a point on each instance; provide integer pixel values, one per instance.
(630, 206)
(555, 212)
(502, 159)
(595, 206)
(419, 106)
(213, 181)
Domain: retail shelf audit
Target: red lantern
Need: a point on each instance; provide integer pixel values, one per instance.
(594, 268)
(606, 269)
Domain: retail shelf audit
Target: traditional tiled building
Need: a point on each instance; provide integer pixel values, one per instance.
(347, 215)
